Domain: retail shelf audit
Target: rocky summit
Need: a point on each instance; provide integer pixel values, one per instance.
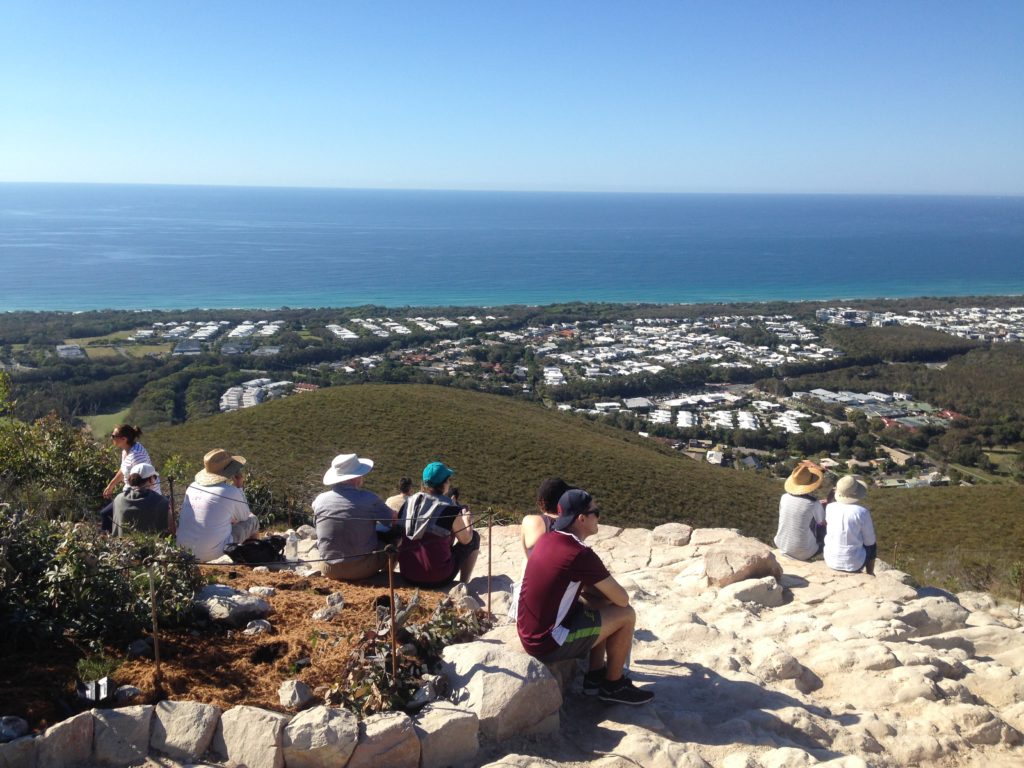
(758, 660)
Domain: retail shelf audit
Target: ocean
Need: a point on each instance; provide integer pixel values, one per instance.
(78, 247)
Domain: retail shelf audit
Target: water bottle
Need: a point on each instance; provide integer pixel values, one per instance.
(291, 547)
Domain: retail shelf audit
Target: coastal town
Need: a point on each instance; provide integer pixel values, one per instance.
(619, 370)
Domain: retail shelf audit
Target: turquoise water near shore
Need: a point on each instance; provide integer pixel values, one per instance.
(73, 247)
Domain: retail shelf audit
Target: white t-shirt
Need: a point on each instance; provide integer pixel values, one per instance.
(849, 530)
(207, 514)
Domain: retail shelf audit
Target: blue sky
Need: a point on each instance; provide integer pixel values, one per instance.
(873, 97)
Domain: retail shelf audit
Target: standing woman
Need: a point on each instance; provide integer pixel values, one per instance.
(126, 437)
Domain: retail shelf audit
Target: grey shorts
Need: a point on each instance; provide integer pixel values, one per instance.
(584, 627)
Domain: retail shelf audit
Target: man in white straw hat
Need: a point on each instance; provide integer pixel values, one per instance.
(351, 523)
(850, 542)
(215, 512)
(800, 513)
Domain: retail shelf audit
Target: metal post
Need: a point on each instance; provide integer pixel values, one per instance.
(394, 642)
(490, 538)
(156, 627)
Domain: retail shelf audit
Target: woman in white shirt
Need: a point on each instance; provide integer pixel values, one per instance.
(850, 542)
(214, 512)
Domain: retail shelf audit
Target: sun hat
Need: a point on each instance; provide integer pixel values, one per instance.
(143, 470)
(573, 503)
(805, 478)
(347, 466)
(435, 473)
(851, 490)
(219, 466)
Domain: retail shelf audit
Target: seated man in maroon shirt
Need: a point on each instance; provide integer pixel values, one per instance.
(554, 625)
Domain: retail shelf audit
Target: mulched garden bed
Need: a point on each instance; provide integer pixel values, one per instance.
(216, 666)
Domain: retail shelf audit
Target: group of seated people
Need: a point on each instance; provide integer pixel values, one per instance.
(839, 526)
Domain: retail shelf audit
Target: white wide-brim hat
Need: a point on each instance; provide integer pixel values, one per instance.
(347, 466)
(851, 490)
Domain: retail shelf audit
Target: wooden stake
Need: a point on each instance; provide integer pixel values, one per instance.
(394, 642)
(156, 628)
(174, 516)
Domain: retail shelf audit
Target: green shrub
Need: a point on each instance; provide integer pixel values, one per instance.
(59, 579)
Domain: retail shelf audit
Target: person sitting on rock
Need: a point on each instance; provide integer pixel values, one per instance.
(850, 543)
(215, 512)
(554, 625)
(438, 540)
(535, 526)
(141, 508)
(404, 492)
(351, 522)
(801, 515)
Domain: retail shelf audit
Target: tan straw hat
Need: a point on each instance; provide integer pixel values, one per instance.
(805, 478)
(219, 466)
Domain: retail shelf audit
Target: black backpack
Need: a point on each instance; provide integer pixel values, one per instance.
(257, 551)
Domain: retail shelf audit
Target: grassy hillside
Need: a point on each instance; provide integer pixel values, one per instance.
(500, 448)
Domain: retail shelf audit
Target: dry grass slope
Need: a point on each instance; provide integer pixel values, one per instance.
(500, 448)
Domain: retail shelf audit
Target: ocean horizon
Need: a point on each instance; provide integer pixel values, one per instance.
(80, 246)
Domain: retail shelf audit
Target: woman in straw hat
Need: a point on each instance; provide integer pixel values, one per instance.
(800, 512)
(215, 512)
(850, 542)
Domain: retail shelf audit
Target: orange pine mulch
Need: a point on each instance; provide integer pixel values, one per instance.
(218, 666)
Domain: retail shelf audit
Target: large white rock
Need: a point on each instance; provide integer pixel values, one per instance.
(19, 753)
(67, 744)
(932, 615)
(121, 736)
(387, 740)
(320, 737)
(511, 693)
(737, 559)
(251, 736)
(183, 729)
(448, 735)
(221, 603)
(672, 534)
(294, 694)
(765, 591)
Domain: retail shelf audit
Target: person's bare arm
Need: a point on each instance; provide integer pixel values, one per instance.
(614, 591)
(108, 492)
(532, 529)
(464, 527)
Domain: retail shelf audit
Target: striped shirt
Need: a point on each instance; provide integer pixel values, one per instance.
(137, 454)
(798, 516)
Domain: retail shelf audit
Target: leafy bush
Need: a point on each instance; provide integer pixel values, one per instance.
(367, 685)
(59, 579)
(52, 468)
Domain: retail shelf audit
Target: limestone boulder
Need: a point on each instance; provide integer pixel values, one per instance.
(320, 737)
(932, 615)
(764, 592)
(251, 736)
(737, 559)
(222, 604)
(294, 694)
(18, 753)
(511, 693)
(67, 744)
(448, 735)
(121, 736)
(387, 740)
(671, 535)
(12, 727)
(183, 730)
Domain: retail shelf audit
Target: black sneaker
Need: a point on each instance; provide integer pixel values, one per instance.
(592, 681)
(623, 691)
